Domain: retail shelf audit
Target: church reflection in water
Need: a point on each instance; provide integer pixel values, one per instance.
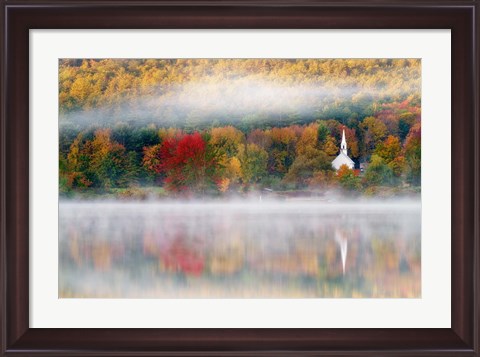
(341, 239)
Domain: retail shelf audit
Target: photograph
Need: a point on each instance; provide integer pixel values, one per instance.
(232, 178)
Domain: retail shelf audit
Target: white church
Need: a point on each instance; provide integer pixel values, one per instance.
(342, 158)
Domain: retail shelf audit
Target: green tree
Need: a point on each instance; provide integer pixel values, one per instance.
(306, 166)
(322, 133)
(378, 173)
(75, 170)
(108, 159)
(405, 122)
(347, 179)
(282, 153)
(253, 161)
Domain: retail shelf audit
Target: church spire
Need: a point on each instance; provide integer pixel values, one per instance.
(342, 158)
(343, 145)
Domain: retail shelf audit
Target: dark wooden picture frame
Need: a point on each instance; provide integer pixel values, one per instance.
(18, 16)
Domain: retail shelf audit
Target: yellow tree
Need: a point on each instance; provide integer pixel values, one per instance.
(389, 149)
(227, 138)
(76, 173)
(308, 140)
(108, 159)
(374, 131)
(331, 148)
(283, 149)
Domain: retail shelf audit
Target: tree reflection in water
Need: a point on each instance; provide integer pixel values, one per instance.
(252, 250)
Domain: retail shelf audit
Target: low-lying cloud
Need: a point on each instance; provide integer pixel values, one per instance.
(230, 101)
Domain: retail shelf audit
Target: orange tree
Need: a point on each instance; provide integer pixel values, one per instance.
(348, 179)
(413, 154)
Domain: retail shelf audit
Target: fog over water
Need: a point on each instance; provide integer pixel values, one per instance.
(254, 249)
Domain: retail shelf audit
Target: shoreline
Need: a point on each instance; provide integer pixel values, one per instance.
(158, 194)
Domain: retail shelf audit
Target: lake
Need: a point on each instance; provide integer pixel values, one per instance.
(287, 249)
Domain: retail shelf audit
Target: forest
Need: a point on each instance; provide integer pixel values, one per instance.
(227, 127)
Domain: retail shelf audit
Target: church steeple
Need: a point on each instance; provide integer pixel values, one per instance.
(342, 158)
(343, 145)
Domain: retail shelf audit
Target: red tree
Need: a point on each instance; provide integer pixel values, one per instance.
(189, 164)
(182, 258)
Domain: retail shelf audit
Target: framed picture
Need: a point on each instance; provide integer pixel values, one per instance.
(240, 179)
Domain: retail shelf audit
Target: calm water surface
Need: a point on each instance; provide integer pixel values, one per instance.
(236, 250)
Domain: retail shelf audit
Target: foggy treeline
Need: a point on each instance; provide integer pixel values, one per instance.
(228, 125)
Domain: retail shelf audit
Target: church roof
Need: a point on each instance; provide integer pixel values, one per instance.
(342, 158)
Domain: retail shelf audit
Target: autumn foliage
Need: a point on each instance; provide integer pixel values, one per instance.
(225, 159)
(187, 162)
(195, 150)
